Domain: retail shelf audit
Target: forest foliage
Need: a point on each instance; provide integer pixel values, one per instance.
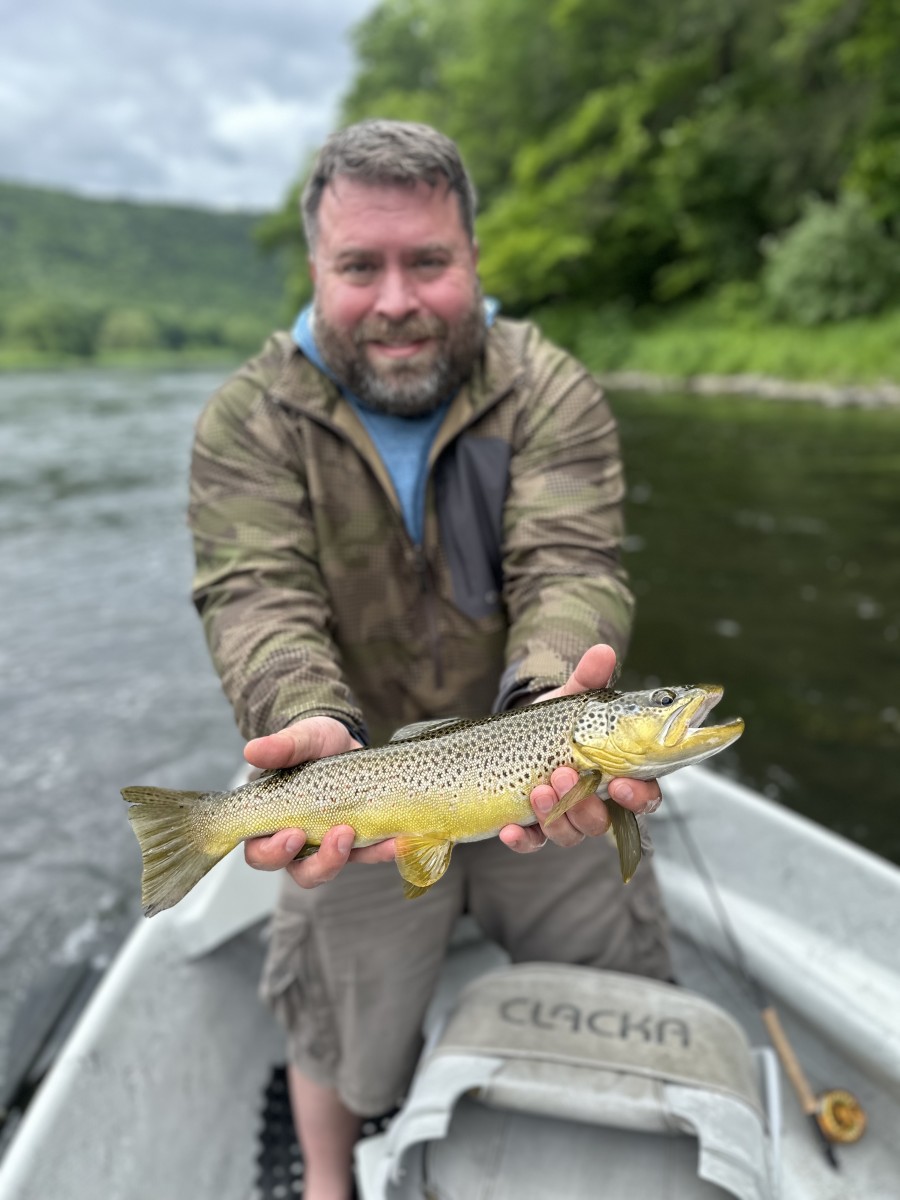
(725, 173)
(81, 278)
(643, 155)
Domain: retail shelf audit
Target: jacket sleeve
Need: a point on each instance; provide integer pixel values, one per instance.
(564, 584)
(258, 586)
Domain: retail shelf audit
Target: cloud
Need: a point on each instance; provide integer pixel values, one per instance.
(211, 102)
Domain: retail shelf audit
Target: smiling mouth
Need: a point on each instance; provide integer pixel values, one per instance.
(399, 349)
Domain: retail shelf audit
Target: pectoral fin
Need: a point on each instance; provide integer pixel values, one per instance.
(624, 828)
(622, 822)
(586, 786)
(421, 860)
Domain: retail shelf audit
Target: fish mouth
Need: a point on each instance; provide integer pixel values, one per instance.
(684, 729)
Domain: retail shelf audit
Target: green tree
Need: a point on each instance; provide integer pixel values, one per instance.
(872, 57)
(57, 327)
(244, 333)
(282, 232)
(639, 150)
(128, 329)
(835, 263)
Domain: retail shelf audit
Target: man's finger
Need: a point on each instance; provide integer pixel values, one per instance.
(312, 737)
(275, 852)
(561, 831)
(274, 751)
(328, 860)
(639, 795)
(523, 839)
(380, 852)
(595, 669)
(590, 817)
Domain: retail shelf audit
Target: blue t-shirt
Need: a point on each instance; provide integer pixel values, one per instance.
(402, 442)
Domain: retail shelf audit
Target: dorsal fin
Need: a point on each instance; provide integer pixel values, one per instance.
(420, 728)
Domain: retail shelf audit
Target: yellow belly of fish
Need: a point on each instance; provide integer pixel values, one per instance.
(460, 817)
(426, 826)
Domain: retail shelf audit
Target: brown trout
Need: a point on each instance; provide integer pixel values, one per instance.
(435, 784)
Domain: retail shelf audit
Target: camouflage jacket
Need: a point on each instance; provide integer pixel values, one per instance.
(313, 596)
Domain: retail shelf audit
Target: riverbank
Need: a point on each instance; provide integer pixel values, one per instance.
(760, 387)
(729, 346)
(709, 347)
(21, 360)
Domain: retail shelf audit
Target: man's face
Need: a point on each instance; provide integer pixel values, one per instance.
(398, 309)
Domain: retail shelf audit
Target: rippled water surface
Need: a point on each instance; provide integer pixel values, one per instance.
(104, 676)
(764, 545)
(765, 554)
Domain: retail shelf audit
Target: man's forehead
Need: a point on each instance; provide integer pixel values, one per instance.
(341, 188)
(346, 199)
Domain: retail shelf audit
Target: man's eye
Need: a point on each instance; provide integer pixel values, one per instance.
(430, 264)
(358, 268)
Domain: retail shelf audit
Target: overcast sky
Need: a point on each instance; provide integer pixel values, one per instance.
(208, 102)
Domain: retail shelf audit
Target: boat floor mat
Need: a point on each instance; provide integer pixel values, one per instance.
(279, 1161)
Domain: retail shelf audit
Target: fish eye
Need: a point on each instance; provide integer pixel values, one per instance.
(663, 698)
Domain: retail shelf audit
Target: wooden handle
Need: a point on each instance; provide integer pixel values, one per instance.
(792, 1067)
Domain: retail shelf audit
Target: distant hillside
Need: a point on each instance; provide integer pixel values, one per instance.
(120, 252)
(160, 276)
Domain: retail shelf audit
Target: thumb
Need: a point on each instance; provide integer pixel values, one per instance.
(312, 737)
(595, 669)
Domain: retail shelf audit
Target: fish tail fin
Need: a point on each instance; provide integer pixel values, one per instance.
(174, 859)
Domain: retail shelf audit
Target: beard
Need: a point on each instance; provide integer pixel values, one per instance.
(403, 387)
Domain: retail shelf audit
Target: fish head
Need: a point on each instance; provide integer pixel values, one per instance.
(650, 733)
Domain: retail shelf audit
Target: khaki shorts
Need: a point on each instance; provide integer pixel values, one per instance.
(352, 965)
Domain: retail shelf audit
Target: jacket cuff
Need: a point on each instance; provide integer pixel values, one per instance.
(516, 692)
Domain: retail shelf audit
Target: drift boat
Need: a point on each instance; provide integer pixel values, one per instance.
(537, 1081)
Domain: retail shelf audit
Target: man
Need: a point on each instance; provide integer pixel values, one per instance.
(409, 509)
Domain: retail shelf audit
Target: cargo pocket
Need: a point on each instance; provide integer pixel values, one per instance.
(293, 987)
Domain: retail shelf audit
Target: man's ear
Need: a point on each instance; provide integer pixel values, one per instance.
(476, 250)
(312, 270)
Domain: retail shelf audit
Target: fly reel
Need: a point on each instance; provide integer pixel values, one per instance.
(840, 1116)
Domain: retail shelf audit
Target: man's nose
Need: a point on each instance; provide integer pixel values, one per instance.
(397, 297)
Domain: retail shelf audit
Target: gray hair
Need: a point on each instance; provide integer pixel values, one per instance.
(387, 152)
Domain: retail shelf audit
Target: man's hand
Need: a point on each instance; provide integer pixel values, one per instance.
(589, 818)
(312, 737)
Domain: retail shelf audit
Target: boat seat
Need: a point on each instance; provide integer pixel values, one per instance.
(560, 1081)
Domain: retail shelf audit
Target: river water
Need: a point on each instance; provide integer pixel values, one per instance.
(764, 546)
(104, 676)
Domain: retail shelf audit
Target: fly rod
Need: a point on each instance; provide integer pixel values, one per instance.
(836, 1115)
